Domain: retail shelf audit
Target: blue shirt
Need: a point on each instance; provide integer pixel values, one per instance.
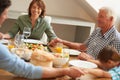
(97, 41)
(115, 73)
(17, 66)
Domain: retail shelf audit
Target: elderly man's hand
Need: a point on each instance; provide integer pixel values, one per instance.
(84, 56)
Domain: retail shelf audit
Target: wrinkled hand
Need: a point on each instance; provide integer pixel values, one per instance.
(55, 41)
(75, 72)
(84, 56)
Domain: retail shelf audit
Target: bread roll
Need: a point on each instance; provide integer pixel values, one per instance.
(42, 58)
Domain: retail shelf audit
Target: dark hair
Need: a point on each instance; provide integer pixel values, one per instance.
(108, 53)
(4, 4)
(41, 4)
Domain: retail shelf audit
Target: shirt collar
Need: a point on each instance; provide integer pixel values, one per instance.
(108, 33)
(38, 20)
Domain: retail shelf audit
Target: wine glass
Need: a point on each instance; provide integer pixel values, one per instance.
(26, 32)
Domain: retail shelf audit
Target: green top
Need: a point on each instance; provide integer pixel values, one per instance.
(40, 27)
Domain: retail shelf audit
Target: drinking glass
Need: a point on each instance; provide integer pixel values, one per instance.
(59, 48)
(10, 45)
(19, 40)
(66, 52)
(26, 32)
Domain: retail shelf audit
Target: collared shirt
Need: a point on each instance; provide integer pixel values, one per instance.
(15, 65)
(97, 41)
(115, 73)
(37, 32)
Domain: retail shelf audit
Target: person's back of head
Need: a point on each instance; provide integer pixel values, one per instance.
(108, 53)
(4, 4)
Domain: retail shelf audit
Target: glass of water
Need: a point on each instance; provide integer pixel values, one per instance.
(26, 32)
(19, 40)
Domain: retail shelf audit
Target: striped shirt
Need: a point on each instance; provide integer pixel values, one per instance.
(97, 41)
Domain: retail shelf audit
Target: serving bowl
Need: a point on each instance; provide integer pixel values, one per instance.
(60, 62)
(60, 59)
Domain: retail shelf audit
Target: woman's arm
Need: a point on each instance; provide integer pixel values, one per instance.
(73, 45)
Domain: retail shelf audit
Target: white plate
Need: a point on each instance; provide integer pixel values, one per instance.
(73, 52)
(82, 64)
(33, 41)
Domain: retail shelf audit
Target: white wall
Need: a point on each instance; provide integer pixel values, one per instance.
(66, 32)
(20, 5)
(66, 8)
(62, 8)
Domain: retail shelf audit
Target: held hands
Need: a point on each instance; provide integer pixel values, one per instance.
(55, 41)
(75, 72)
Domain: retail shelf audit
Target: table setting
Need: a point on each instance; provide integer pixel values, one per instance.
(58, 56)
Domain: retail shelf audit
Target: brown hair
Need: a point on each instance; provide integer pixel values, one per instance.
(41, 4)
(108, 53)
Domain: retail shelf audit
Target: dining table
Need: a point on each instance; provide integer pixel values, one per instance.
(5, 75)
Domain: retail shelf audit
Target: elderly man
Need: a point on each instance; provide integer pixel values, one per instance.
(105, 34)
